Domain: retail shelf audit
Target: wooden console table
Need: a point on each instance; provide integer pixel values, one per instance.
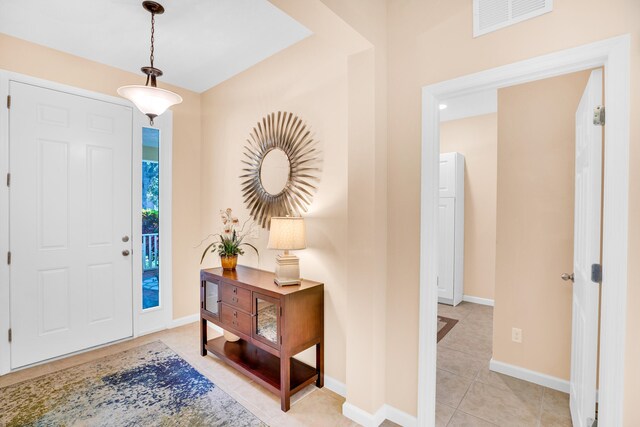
(274, 324)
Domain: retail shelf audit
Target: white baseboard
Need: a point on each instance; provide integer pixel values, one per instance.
(335, 386)
(529, 375)
(192, 319)
(400, 417)
(362, 417)
(181, 321)
(478, 300)
(385, 412)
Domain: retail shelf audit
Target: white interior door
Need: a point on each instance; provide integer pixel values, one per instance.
(70, 207)
(446, 241)
(586, 252)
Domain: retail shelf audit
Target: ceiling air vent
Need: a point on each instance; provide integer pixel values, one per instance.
(491, 15)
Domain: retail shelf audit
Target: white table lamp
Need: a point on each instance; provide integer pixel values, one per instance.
(287, 233)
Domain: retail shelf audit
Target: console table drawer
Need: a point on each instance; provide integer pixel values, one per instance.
(236, 296)
(236, 319)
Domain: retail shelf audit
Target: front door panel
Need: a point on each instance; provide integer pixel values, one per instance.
(70, 206)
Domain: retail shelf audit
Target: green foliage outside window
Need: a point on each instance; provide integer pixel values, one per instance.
(150, 223)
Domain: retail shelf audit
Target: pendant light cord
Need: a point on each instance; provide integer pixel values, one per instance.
(151, 57)
(153, 30)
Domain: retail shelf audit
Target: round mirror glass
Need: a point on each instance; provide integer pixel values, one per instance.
(274, 171)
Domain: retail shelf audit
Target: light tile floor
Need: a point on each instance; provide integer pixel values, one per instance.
(469, 394)
(310, 407)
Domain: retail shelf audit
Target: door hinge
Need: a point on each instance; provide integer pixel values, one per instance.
(9, 258)
(10, 335)
(599, 115)
(8, 101)
(8, 180)
(596, 273)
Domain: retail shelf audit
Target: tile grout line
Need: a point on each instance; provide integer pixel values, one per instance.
(476, 416)
(474, 379)
(541, 404)
(456, 349)
(475, 323)
(458, 375)
(472, 356)
(465, 395)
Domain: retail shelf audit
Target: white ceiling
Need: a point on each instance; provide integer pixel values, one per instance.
(475, 104)
(199, 43)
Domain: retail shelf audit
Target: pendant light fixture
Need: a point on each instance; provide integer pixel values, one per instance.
(150, 99)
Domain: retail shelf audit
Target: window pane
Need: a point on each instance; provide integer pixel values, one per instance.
(150, 218)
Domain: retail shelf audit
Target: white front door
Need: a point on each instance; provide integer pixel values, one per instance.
(70, 210)
(586, 253)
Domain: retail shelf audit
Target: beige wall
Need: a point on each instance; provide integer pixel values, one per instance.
(477, 139)
(34, 60)
(309, 80)
(416, 60)
(337, 84)
(535, 223)
(411, 43)
(357, 30)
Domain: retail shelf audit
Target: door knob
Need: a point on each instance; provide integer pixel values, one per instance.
(125, 239)
(126, 252)
(566, 277)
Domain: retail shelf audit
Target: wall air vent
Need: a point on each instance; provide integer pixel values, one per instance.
(491, 15)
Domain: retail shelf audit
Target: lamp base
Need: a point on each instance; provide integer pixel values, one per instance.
(287, 270)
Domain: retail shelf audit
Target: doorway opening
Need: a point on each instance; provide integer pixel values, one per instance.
(613, 54)
(519, 188)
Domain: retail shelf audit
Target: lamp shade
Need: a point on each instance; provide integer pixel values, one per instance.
(152, 101)
(287, 233)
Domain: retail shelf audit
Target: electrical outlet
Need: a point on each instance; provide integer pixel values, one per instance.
(516, 335)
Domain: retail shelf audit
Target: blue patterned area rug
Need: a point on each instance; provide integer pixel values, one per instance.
(146, 386)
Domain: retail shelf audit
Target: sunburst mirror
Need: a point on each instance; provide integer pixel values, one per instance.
(281, 168)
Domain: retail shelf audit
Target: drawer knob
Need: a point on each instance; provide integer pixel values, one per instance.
(234, 299)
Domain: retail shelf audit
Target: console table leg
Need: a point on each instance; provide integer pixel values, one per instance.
(203, 336)
(320, 364)
(285, 382)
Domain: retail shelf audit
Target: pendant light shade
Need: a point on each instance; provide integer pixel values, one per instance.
(150, 99)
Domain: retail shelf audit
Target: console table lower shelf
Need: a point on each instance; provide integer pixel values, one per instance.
(260, 365)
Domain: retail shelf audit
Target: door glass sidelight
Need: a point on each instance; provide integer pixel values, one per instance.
(150, 218)
(267, 320)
